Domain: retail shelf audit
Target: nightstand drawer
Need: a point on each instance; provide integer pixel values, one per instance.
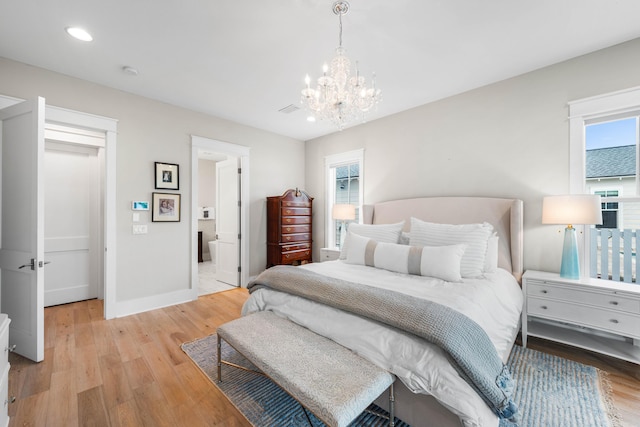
(603, 299)
(616, 322)
(327, 254)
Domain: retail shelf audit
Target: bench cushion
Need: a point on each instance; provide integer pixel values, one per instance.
(328, 379)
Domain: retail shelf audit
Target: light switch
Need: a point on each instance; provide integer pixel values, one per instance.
(140, 229)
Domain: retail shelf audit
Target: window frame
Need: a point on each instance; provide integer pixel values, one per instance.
(331, 162)
(586, 111)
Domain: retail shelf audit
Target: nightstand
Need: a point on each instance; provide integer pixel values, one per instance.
(594, 314)
(329, 254)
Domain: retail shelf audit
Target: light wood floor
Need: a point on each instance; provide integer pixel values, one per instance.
(132, 372)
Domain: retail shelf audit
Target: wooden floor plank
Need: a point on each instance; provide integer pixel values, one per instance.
(91, 408)
(63, 407)
(130, 372)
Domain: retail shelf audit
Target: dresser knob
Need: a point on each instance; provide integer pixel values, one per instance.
(613, 302)
(10, 349)
(544, 307)
(544, 291)
(614, 321)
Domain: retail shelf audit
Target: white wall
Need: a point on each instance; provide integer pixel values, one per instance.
(159, 263)
(508, 139)
(207, 198)
(206, 183)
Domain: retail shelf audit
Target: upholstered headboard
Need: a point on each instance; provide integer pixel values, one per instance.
(506, 216)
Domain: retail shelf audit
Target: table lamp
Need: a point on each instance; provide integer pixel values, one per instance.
(569, 210)
(343, 213)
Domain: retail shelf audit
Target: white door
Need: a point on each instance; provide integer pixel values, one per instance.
(227, 215)
(22, 232)
(71, 222)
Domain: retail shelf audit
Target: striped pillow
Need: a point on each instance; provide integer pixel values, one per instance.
(387, 233)
(441, 262)
(475, 236)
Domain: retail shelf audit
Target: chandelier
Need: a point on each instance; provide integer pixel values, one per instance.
(338, 97)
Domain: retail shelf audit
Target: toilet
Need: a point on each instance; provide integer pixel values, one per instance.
(212, 250)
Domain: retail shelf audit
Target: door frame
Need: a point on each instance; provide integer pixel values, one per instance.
(199, 143)
(109, 127)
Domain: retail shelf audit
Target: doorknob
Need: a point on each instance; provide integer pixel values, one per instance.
(32, 265)
(41, 264)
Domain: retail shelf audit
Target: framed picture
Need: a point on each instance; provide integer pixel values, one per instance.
(167, 176)
(140, 206)
(166, 207)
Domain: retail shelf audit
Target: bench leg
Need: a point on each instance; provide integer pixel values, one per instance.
(219, 360)
(392, 412)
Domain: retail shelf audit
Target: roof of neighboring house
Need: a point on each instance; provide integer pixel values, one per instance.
(612, 161)
(354, 171)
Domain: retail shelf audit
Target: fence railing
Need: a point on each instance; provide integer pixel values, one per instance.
(613, 254)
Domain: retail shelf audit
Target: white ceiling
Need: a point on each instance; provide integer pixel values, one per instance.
(245, 60)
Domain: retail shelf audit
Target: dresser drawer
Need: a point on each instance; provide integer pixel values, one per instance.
(4, 341)
(600, 299)
(296, 220)
(296, 204)
(301, 228)
(296, 247)
(296, 211)
(302, 237)
(616, 322)
(4, 397)
(296, 255)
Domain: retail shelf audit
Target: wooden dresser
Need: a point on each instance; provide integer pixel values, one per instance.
(289, 228)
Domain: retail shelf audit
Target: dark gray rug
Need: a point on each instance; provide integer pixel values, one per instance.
(550, 391)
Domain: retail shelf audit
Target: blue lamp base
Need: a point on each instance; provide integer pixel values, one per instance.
(570, 268)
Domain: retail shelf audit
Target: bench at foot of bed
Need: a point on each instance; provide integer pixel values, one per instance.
(329, 380)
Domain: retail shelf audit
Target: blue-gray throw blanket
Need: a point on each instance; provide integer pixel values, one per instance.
(467, 345)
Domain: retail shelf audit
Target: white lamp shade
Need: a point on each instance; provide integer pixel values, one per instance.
(343, 212)
(572, 209)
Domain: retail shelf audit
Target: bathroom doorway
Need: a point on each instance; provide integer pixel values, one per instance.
(219, 184)
(211, 277)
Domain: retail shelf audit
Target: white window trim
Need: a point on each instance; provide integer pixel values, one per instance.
(332, 161)
(585, 111)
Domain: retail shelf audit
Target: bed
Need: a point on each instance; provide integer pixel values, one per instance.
(430, 391)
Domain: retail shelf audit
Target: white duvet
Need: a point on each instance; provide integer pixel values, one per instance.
(494, 302)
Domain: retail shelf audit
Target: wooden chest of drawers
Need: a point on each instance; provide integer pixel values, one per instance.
(289, 228)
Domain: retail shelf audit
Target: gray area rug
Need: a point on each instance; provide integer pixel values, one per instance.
(550, 391)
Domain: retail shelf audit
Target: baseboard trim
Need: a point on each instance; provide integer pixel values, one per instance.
(140, 305)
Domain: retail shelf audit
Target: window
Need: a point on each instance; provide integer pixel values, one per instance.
(609, 210)
(344, 174)
(604, 139)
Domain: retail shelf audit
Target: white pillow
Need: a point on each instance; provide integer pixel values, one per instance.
(387, 233)
(442, 262)
(491, 260)
(476, 236)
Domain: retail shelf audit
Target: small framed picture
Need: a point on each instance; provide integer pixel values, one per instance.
(140, 206)
(167, 176)
(166, 207)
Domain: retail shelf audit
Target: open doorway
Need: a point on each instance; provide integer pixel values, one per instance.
(210, 278)
(220, 176)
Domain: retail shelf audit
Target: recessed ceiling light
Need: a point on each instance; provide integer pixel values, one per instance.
(311, 119)
(79, 33)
